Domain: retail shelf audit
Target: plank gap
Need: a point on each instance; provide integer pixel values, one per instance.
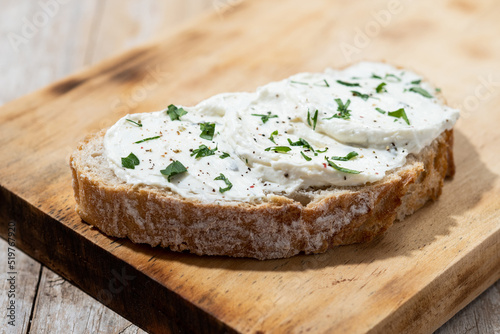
(35, 300)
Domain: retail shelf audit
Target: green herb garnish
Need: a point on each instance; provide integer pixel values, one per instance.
(224, 155)
(438, 90)
(274, 133)
(226, 181)
(280, 149)
(348, 157)
(416, 82)
(349, 84)
(420, 91)
(400, 113)
(146, 139)
(305, 156)
(131, 161)
(207, 130)
(326, 83)
(301, 142)
(299, 82)
(203, 151)
(344, 113)
(387, 76)
(382, 111)
(135, 123)
(265, 118)
(341, 169)
(380, 88)
(322, 151)
(314, 119)
(175, 113)
(363, 96)
(175, 168)
(374, 76)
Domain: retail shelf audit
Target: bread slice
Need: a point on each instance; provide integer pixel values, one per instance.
(309, 221)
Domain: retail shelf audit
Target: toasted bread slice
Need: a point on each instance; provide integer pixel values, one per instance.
(309, 221)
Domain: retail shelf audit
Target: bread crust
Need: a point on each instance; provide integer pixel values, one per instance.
(278, 228)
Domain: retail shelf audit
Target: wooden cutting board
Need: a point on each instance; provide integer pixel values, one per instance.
(411, 280)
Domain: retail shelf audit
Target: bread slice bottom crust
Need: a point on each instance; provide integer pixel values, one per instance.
(280, 227)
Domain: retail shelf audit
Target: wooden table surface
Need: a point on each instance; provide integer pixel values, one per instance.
(43, 41)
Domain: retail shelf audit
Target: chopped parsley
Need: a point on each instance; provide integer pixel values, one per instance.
(348, 157)
(387, 76)
(146, 139)
(301, 142)
(203, 151)
(224, 155)
(348, 84)
(341, 169)
(265, 118)
(299, 82)
(139, 124)
(314, 119)
(380, 88)
(374, 76)
(226, 181)
(420, 91)
(326, 83)
(175, 168)
(175, 113)
(322, 151)
(382, 111)
(344, 113)
(274, 133)
(207, 130)
(131, 161)
(400, 113)
(305, 156)
(363, 96)
(416, 82)
(438, 90)
(278, 149)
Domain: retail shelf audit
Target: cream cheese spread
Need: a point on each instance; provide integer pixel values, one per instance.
(339, 128)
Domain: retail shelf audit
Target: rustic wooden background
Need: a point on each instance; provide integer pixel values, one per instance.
(68, 37)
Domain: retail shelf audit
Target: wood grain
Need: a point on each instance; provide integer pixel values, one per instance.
(444, 260)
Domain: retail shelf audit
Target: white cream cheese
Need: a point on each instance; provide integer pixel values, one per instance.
(377, 95)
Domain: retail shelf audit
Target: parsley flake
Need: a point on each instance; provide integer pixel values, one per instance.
(380, 88)
(314, 119)
(226, 181)
(348, 157)
(203, 151)
(420, 91)
(274, 133)
(265, 118)
(374, 76)
(305, 156)
(344, 113)
(224, 155)
(139, 124)
(175, 168)
(301, 142)
(390, 75)
(207, 130)
(348, 84)
(341, 169)
(363, 96)
(146, 139)
(131, 161)
(278, 149)
(416, 82)
(382, 111)
(400, 113)
(175, 113)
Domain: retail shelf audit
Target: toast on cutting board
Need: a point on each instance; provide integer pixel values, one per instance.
(301, 165)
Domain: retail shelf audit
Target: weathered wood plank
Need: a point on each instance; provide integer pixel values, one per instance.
(480, 316)
(62, 308)
(21, 289)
